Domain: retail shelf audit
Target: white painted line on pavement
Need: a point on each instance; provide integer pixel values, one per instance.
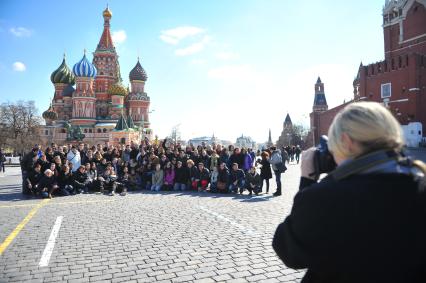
(45, 258)
(233, 223)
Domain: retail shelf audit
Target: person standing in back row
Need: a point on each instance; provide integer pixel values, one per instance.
(276, 160)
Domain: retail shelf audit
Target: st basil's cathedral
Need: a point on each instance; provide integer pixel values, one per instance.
(91, 104)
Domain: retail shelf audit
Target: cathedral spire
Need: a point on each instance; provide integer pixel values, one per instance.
(105, 43)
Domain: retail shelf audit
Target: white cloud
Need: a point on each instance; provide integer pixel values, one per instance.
(21, 32)
(227, 55)
(19, 66)
(119, 36)
(175, 35)
(193, 48)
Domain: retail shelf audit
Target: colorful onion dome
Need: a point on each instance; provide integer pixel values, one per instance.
(49, 114)
(107, 13)
(84, 68)
(62, 74)
(117, 89)
(138, 73)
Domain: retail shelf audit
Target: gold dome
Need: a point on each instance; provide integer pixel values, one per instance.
(107, 13)
(117, 89)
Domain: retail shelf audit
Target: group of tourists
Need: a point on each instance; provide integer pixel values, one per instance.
(158, 166)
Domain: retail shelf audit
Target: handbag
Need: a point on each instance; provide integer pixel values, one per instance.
(281, 167)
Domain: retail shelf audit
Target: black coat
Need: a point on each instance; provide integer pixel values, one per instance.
(265, 170)
(365, 228)
(181, 175)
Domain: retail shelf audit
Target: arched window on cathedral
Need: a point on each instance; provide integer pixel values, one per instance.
(99, 131)
(90, 130)
(63, 131)
(85, 131)
(104, 130)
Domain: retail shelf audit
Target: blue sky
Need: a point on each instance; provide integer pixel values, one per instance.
(228, 67)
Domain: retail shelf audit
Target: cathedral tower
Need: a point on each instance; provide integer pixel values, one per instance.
(105, 59)
(63, 79)
(138, 100)
(83, 99)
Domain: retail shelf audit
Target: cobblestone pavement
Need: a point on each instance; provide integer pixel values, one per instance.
(144, 237)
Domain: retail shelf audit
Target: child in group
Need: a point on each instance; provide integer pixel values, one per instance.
(157, 178)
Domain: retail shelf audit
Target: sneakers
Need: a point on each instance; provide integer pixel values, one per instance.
(112, 193)
(276, 194)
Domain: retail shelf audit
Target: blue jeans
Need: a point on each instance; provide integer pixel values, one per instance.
(179, 187)
(278, 180)
(234, 188)
(156, 188)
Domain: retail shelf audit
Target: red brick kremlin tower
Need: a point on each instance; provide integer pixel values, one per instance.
(99, 100)
(398, 81)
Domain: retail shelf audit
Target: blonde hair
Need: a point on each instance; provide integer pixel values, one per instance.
(369, 124)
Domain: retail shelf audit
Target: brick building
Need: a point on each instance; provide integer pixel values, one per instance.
(398, 81)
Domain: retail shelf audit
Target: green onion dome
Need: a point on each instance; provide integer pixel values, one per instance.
(117, 89)
(62, 74)
(50, 114)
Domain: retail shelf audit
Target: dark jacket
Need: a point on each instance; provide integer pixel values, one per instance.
(365, 228)
(27, 162)
(46, 182)
(223, 175)
(34, 177)
(265, 170)
(203, 174)
(65, 179)
(237, 175)
(181, 175)
(80, 178)
(253, 179)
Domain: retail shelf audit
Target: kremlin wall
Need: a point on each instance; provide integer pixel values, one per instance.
(398, 81)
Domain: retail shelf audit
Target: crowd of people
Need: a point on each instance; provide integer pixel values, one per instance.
(162, 166)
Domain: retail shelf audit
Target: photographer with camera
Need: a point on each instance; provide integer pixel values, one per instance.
(366, 220)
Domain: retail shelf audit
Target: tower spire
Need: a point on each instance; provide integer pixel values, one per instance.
(320, 103)
(105, 43)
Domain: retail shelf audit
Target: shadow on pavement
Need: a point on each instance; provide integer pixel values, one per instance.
(242, 198)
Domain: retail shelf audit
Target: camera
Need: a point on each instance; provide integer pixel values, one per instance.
(323, 160)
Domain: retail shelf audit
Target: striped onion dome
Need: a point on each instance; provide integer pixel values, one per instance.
(50, 114)
(84, 68)
(138, 73)
(117, 89)
(62, 74)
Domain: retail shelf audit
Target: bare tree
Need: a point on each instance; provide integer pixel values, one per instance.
(19, 125)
